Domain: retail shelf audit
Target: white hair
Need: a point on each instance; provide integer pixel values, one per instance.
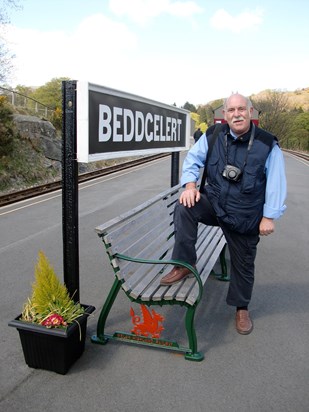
(248, 101)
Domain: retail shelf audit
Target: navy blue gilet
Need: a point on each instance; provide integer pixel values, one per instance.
(239, 205)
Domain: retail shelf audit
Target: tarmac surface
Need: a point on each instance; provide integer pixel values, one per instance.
(267, 370)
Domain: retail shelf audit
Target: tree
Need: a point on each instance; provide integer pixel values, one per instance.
(7, 127)
(190, 107)
(6, 56)
(274, 114)
(206, 113)
(202, 111)
(50, 93)
(299, 138)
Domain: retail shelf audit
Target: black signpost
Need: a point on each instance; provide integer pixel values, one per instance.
(70, 191)
(175, 169)
(101, 123)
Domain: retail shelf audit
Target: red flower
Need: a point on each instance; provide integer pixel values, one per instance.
(54, 320)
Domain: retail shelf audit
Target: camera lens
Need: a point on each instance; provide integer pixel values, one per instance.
(232, 174)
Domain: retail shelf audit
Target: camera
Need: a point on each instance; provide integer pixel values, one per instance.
(232, 173)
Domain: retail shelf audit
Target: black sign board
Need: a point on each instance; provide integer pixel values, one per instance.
(112, 123)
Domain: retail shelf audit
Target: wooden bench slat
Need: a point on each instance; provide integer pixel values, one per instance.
(151, 250)
(185, 290)
(136, 227)
(131, 246)
(210, 264)
(148, 284)
(101, 229)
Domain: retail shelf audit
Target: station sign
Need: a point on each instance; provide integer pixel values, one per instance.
(112, 123)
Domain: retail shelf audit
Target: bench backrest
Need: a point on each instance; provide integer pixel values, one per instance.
(145, 231)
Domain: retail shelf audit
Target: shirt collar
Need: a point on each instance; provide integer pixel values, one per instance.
(234, 136)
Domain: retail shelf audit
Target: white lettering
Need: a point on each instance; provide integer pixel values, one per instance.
(105, 117)
(156, 127)
(173, 129)
(179, 122)
(128, 114)
(139, 126)
(162, 136)
(117, 137)
(149, 135)
(168, 129)
(125, 125)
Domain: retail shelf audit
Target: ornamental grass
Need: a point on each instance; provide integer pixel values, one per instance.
(50, 304)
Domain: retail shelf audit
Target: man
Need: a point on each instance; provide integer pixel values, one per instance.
(197, 134)
(245, 193)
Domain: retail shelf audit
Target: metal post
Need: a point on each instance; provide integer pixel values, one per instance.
(175, 169)
(70, 191)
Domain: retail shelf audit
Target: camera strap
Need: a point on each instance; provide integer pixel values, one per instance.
(248, 148)
(211, 141)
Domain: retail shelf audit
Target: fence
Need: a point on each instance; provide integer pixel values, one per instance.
(32, 106)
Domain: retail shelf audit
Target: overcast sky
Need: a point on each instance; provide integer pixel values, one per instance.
(166, 50)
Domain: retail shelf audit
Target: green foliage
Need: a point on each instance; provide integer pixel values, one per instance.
(203, 126)
(56, 119)
(203, 113)
(299, 137)
(206, 111)
(190, 107)
(302, 121)
(49, 296)
(7, 128)
(50, 93)
(196, 118)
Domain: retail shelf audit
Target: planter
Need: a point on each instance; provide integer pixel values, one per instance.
(53, 349)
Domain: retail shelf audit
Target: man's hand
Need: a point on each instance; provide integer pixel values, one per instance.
(190, 195)
(267, 226)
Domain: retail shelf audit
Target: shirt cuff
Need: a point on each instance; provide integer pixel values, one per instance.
(273, 213)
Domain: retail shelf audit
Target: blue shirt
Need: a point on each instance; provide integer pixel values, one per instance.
(276, 189)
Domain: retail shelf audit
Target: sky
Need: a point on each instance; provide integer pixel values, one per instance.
(171, 51)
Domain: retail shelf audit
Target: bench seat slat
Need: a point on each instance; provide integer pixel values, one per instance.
(155, 291)
(151, 250)
(148, 284)
(182, 293)
(192, 298)
(142, 282)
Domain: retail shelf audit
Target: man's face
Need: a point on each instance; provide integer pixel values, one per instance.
(237, 114)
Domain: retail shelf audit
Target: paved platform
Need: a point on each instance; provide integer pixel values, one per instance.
(267, 370)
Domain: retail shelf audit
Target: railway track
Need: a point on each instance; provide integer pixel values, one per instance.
(53, 186)
(302, 155)
(19, 195)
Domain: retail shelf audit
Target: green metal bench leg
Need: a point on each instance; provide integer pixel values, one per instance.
(193, 355)
(100, 337)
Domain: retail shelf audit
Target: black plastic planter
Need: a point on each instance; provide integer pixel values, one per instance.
(53, 349)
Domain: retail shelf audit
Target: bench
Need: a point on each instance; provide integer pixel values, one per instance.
(139, 244)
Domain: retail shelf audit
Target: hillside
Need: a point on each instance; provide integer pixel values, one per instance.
(297, 99)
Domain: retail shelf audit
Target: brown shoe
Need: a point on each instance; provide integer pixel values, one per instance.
(175, 276)
(244, 324)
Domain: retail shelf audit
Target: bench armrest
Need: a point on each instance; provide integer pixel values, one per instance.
(168, 262)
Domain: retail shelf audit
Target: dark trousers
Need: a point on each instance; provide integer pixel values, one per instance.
(242, 248)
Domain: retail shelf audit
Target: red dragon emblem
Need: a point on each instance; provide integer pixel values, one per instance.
(150, 326)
